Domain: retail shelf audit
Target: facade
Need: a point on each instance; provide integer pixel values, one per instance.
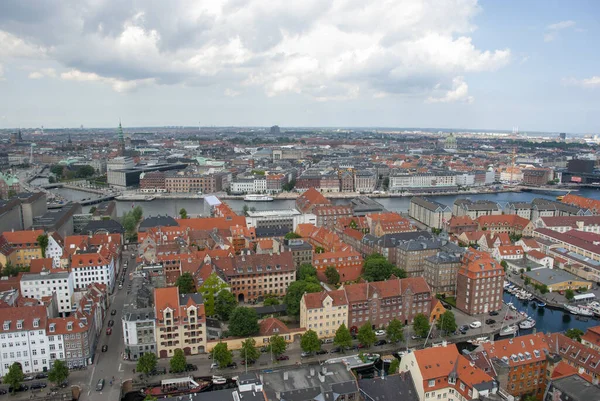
(431, 213)
(46, 283)
(310, 199)
(460, 224)
(55, 249)
(440, 272)
(327, 216)
(403, 181)
(180, 322)
(21, 247)
(537, 176)
(581, 243)
(475, 209)
(410, 256)
(479, 284)
(364, 181)
(153, 181)
(567, 223)
(302, 252)
(508, 223)
(324, 312)
(348, 263)
(289, 218)
(138, 319)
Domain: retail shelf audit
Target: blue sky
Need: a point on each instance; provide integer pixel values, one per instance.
(407, 63)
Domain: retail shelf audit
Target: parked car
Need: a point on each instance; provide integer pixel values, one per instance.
(380, 342)
(232, 365)
(41, 376)
(264, 349)
(3, 391)
(322, 352)
(305, 354)
(475, 325)
(283, 358)
(104, 348)
(416, 337)
(494, 313)
(380, 333)
(463, 329)
(359, 346)
(327, 341)
(28, 378)
(214, 365)
(37, 386)
(490, 321)
(111, 323)
(100, 385)
(190, 367)
(22, 387)
(108, 331)
(250, 363)
(113, 312)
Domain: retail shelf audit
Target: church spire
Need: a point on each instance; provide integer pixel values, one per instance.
(121, 145)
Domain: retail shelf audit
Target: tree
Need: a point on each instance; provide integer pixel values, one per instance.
(386, 183)
(395, 331)
(292, 235)
(544, 289)
(342, 338)
(527, 281)
(183, 213)
(225, 303)
(394, 366)
(146, 363)
(310, 341)
(243, 322)
(377, 268)
(59, 372)
(137, 213)
(421, 325)
(366, 335)
(222, 355)
(295, 292)
(85, 171)
(185, 282)
(249, 352)
(42, 241)
(574, 334)
(319, 249)
(353, 224)
(93, 209)
(10, 270)
(447, 322)
(504, 264)
(332, 275)
(270, 300)
(569, 294)
(212, 286)
(178, 363)
(14, 377)
(277, 345)
(57, 170)
(305, 271)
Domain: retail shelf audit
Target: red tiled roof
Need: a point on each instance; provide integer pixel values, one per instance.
(584, 203)
(508, 220)
(315, 300)
(24, 314)
(534, 253)
(309, 199)
(23, 237)
(515, 349)
(506, 250)
(592, 335)
(271, 326)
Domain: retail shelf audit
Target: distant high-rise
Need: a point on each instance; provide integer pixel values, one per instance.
(562, 136)
(121, 146)
(275, 130)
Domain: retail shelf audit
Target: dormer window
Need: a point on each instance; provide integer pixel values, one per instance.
(7, 325)
(36, 322)
(52, 327)
(19, 324)
(70, 326)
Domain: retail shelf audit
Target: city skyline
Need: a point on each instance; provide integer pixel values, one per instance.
(456, 64)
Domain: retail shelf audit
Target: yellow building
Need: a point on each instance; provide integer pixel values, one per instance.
(557, 279)
(19, 247)
(324, 312)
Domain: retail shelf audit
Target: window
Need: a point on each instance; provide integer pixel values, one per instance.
(431, 383)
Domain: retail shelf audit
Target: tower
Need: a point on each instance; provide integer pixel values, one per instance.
(121, 146)
(69, 141)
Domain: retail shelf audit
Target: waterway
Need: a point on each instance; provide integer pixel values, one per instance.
(548, 320)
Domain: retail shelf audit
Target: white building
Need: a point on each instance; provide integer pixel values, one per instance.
(260, 184)
(284, 218)
(55, 249)
(46, 283)
(120, 163)
(23, 339)
(88, 268)
(243, 186)
(404, 181)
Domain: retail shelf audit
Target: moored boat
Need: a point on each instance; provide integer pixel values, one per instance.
(527, 324)
(508, 330)
(257, 198)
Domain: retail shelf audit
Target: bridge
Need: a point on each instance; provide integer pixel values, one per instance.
(86, 202)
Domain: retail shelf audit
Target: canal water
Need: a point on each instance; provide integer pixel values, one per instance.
(548, 320)
(196, 206)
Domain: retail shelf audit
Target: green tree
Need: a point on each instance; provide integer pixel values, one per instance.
(85, 171)
(569, 294)
(146, 363)
(183, 213)
(504, 264)
(93, 209)
(249, 351)
(270, 300)
(377, 268)
(225, 303)
(14, 377)
(395, 331)
(185, 282)
(386, 183)
(353, 224)
(292, 235)
(332, 275)
(277, 345)
(342, 338)
(574, 334)
(421, 325)
(295, 292)
(394, 366)
(150, 397)
(319, 249)
(42, 241)
(527, 281)
(137, 213)
(310, 341)
(366, 335)
(59, 372)
(544, 289)
(243, 322)
(222, 355)
(305, 271)
(212, 286)
(57, 170)
(447, 322)
(178, 362)
(10, 270)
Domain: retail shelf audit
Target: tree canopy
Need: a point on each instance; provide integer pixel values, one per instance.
(332, 275)
(574, 334)
(366, 335)
(178, 362)
(342, 338)
(211, 287)
(59, 372)
(421, 325)
(277, 345)
(183, 213)
(270, 300)
(447, 322)
(294, 294)
(222, 355)
(305, 271)
(185, 282)
(225, 303)
(292, 235)
(243, 322)
(14, 377)
(395, 331)
(146, 363)
(377, 268)
(42, 241)
(310, 341)
(249, 351)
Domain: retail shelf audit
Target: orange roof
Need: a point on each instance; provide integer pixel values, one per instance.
(475, 261)
(592, 335)
(265, 244)
(518, 351)
(315, 300)
(461, 221)
(23, 237)
(584, 203)
(506, 250)
(563, 369)
(309, 199)
(537, 254)
(166, 297)
(508, 220)
(271, 326)
(37, 265)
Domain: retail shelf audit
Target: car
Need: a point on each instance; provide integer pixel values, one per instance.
(28, 378)
(104, 348)
(250, 363)
(335, 350)
(380, 333)
(111, 323)
(264, 349)
(327, 341)
(490, 321)
(100, 385)
(380, 342)
(305, 354)
(464, 327)
(22, 387)
(41, 376)
(37, 386)
(3, 391)
(322, 352)
(190, 367)
(232, 365)
(120, 286)
(113, 312)
(416, 337)
(214, 365)
(283, 358)
(494, 313)
(475, 325)
(359, 346)
(108, 331)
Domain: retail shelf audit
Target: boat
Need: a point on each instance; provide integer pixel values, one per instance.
(585, 311)
(508, 330)
(582, 319)
(219, 380)
(572, 309)
(540, 304)
(527, 324)
(179, 386)
(595, 308)
(257, 198)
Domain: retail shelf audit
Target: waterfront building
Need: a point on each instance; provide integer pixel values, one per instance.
(508, 223)
(556, 279)
(581, 243)
(537, 176)
(440, 272)
(432, 181)
(578, 355)
(591, 338)
(288, 218)
(431, 213)
(310, 199)
(460, 224)
(593, 205)
(364, 181)
(475, 209)
(479, 284)
(567, 223)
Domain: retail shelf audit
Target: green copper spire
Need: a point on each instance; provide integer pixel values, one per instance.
(121, 138)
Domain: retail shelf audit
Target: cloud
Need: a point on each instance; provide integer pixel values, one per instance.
(45, 72)
(333, 51)
(553, 29)
(231, 93)
(1, 72)
(458, 93)
(593, 82)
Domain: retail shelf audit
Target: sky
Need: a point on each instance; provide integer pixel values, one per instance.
(381, 63)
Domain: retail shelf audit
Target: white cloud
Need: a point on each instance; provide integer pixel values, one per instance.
(458, 93)
(231, 93)
(11, 46)
(326, 51)
(44, 72)
(553, 29)
(593, 82)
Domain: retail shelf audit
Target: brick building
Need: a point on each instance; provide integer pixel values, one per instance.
(537, 176)
(479, 283)
(349, 264)
(153, 181)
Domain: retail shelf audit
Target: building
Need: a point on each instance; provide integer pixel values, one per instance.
(460, 224)
(327, 216)
(288, 218)
(389, 387)
(310, 199)
(20, 247)
(591, 338)
(153, 181)
(431, 213)
(32, 206)
(567, 223)
(388, 223)
(508, 252)
(432, 181)
(578, 242)
(324, 312)
(479, 283)
(139, 319)
(581, 357)
(475, 209)
(442, 373)
(556, 279)
(302, 251)
(507, 223)
(10, 215)
(180, 322)
(411, 255)
(593, 205)
(440, 272)
(9, 185)
(364, 181)
(55, 249)
(43, 281)
(537, 176)
(348, 263)
(120, 163)
(572, 387)
(130, 177)
(59, 220)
